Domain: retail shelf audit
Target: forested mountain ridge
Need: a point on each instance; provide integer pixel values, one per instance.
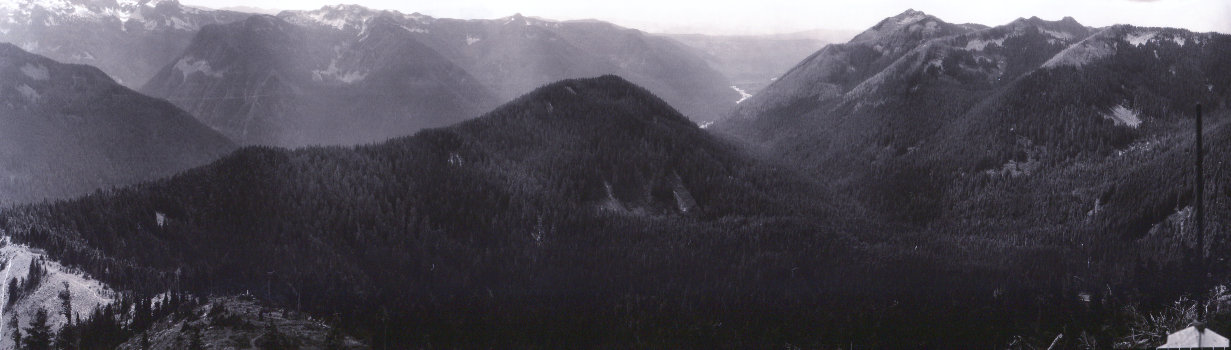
(838, 68)
(66, 130)
(957, 103)
(1051, 137)
(552, 208)
(128, 39)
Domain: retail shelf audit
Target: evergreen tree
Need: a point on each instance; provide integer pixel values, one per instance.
(194, 339)
(38, 335)
(65, 339)
(13, 292)
(15, 326)
(333, 339)
(66, 304)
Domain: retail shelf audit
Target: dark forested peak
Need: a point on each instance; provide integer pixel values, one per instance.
(257, 32)
(603, 97)
(261, 22)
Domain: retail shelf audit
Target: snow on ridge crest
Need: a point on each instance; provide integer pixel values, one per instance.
(68, 10)
(980, 45)
(339, 17)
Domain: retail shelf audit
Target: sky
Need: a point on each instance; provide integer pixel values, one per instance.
(734, 17)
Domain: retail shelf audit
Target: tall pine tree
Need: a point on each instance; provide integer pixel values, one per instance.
(38, 335)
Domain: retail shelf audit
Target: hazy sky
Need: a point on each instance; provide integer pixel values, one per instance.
(781, 16)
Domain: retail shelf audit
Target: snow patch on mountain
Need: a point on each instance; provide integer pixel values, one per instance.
(333, 72)
(415, 29)
(29, 93)
(1058, 34)
(980, 45)
(179, 23)
(86, 292)
(470, 40)
(189, 66)
(339, 17)
(1140, 38)
(84, 56)
(67, 11)
(35, 71)
(1124, 116)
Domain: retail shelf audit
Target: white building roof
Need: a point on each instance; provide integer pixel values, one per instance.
(1192, 338)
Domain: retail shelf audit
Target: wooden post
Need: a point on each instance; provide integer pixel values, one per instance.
(1199, 206)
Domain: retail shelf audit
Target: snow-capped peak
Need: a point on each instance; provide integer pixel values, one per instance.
(341, 17)
(61, 11)
(519, 19)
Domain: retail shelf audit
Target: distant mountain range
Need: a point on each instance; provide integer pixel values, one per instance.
(516, 54)
(128, 39)
(406, 72)
(267, 81)
(155, 45)
(66, 130)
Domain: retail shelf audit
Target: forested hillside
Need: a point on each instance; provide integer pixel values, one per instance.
(562, 214)
(1074, 143)
(67, 130)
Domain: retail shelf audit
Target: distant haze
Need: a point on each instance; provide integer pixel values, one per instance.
(729, 17)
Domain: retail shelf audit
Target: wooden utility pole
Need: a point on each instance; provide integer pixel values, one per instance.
(1199, 194)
